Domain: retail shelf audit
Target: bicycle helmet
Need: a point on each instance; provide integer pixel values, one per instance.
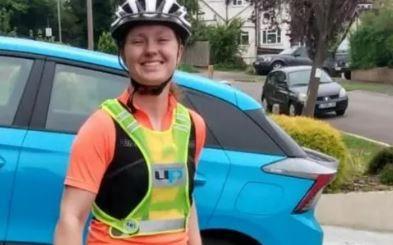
(134, 12)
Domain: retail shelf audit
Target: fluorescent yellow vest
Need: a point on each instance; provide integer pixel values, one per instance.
(166, 206)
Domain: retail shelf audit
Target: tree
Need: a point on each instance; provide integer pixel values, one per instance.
(318, 24)
(372, 42)
(224, 42)
(27, 15)
(75, 20)
(106, 44)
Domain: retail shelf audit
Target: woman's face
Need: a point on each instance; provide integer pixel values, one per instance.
(151, 53)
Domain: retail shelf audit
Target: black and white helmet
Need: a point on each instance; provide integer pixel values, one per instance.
(133, 12)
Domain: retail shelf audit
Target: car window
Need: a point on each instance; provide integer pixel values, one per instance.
(229, 127)
(77, 92)
(14, 73)
(277, 77)
(302, 77)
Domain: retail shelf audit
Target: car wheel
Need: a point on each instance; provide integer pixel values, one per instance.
(347, 75)
(340, 112)
(266, 105)
(217, 241)
(293, 110)
(277, 65)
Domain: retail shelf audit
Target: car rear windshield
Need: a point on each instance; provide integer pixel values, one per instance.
(302, 78)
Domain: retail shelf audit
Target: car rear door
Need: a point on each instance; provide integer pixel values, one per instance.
(68, 93)
(19, 77)
(236, 189)
(214, 163)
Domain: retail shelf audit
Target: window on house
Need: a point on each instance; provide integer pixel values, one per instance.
(244, 38)
(271, 36)
(237, 2)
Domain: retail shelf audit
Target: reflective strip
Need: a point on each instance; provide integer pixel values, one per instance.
(122, 115)
(182, 117)
(181, 127)
(132, 126)
(149, 226)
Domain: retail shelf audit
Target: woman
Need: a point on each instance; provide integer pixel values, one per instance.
(133, 161)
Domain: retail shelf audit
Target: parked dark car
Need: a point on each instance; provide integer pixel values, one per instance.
(337, 64)
(294, 56)
(288, 88)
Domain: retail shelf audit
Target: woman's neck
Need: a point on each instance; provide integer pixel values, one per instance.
(156, 106)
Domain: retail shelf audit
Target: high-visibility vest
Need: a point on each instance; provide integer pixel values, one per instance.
(166, 206)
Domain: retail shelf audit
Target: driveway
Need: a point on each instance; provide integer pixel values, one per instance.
(345, 236)
(369, 114)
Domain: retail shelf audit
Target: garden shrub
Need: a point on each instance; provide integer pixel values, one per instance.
(372, 43)
(386, 175)
(380, 160)
(106, 44)
(320, 136)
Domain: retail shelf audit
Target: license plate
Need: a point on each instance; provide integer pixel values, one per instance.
(327, 105)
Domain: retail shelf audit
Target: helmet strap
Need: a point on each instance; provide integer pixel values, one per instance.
(148, 89)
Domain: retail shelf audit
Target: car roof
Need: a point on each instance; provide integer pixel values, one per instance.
(196, 82)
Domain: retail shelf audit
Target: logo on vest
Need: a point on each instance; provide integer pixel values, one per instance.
(131, 226)
(169, 175)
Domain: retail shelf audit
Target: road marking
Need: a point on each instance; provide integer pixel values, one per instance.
(368, 139)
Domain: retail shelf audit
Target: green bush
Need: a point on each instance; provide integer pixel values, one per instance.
(380, 160)
(372, 43)
(320, 136)
(386, 175)
(224, 42)
(106, 44)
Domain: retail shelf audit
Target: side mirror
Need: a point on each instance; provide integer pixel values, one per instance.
(296, 54)
(282, 84)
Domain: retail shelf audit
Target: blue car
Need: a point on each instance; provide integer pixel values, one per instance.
(254, 184)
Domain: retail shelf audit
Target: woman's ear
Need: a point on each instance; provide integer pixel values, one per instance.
(180, 54)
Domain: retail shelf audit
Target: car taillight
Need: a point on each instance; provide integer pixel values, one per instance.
(312, 196)
(316, 166)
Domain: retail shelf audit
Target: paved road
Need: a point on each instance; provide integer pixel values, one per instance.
(369, 114)
(344, 236)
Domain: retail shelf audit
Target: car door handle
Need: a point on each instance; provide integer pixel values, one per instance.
(199, 180)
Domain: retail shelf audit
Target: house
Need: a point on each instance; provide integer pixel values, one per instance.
(261, 39)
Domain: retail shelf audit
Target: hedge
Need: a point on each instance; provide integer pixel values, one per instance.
(320, 136)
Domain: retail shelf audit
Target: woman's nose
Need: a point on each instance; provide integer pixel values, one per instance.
(151, 47)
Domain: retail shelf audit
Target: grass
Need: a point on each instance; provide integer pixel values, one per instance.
(361, 152)
(229, 67)
(367, 86)
(188, 68)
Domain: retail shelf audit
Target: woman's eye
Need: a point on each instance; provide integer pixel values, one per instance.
(136, 41)
(161, 40)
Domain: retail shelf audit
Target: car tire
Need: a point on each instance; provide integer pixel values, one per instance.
(266, 104)
(347, 75)
(293, 110)
(217, 241)
(340, 112)
(277, 65)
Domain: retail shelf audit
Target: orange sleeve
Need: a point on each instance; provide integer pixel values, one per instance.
(91, 152)
(200, 133)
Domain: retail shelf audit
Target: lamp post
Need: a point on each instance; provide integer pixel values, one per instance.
(59, 20)
(90, 33)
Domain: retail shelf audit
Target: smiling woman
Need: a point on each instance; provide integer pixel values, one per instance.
(133, 161)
